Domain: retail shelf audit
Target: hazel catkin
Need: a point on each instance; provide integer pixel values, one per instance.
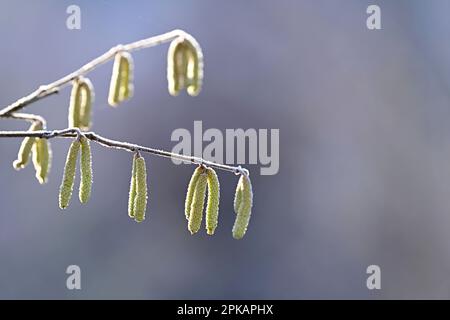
(184, 66)
(132, 193)
(42, 158)
(191, 189)
(81, 100)
(198, 200)
(140, 202)
(65, 191)
(75, 105)
(212, 207)
(244, 209)
(194, 73)
(85, 171)
(121, 86)
(87, 100)
(23, 155)
(238, 196)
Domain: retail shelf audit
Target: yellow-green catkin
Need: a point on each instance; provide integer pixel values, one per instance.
(191, 190)
(245, 208)
(212, 208)
(140, 202)
(132, 193)
(184, 66)
(42, 159)
(176, 66)
(23, 155)
(194, 72)
(238, 196)
(81, 100)
(121, 86)
(85, 171)
(87, 100)
(198, 201)
(65, 191)
(75, 104)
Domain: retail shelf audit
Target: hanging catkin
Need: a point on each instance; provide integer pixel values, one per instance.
(194, 73)
(238, 196)
(184, 66)
(140, 202)
(23, 155)
(85, 171)
(75, 104)
(176, 66)
(190, 191)
(81, 100)
(65, 191)
(198, 200)
(132, 193)
(42, 158)
(244, 209)
(212, 208)
(121, 86)
(86, 102)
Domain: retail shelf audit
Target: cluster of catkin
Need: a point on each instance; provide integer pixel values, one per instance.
(41, 154)
(206, 179)
(79, 145)
(184, 71)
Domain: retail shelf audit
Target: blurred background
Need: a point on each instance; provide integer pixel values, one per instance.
(364, 151)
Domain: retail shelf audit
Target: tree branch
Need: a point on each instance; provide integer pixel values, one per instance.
(11, 111)
(54, 87)
(109, 143)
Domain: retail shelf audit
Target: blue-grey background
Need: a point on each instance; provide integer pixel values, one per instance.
(364, 151)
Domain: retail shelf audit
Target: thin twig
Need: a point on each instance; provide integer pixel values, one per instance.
(52, 88)
(130, 147)
(27, 117)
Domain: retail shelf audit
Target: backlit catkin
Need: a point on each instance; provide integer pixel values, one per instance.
(184, 66)
(140, 202)
(194, 73)
(65, 191)
(244, 209)
(198, 200)
(86, 102)
(212, 208)
(121, 86)
(85, 171)
(190, 190)
(238, 196)
(42, 158)
(75, 104)
(81, 100)
(132, 194)
(23, 155)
